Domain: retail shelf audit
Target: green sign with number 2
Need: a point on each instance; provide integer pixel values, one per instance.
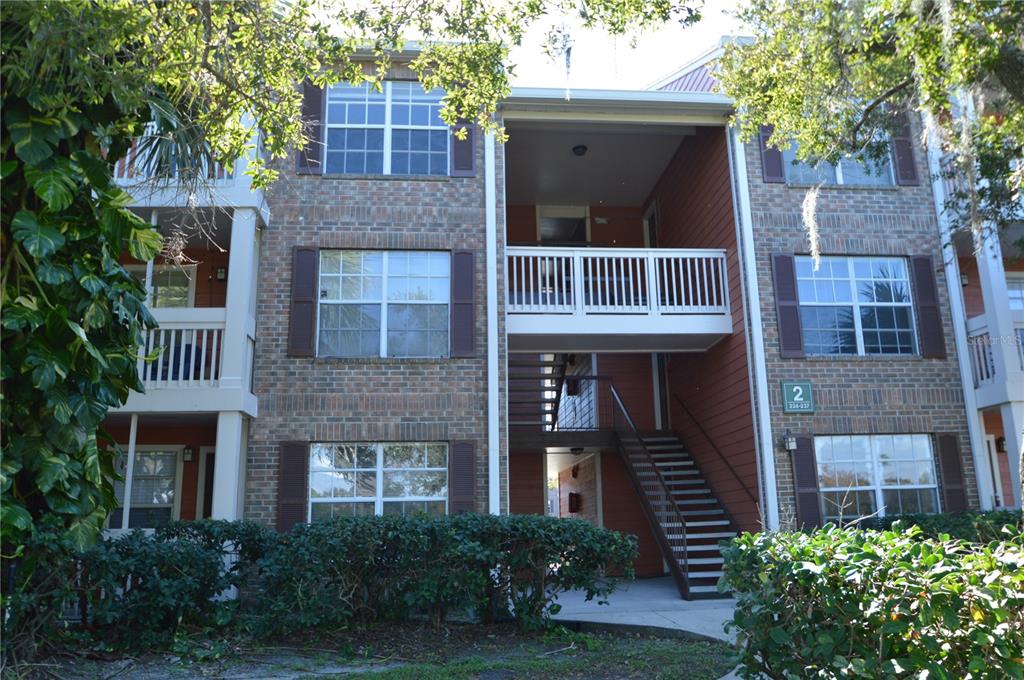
(797, 397)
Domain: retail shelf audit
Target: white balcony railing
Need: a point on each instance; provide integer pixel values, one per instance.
(138, 168)
(591, 281)
(190, 345)
(981, 347)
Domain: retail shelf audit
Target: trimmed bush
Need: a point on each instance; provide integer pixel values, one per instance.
(356, 570)
(975, 527)
(868, 604)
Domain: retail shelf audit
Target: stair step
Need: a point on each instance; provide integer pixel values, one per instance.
(673, 463)
(702, 547)
(683, 482)
(665, 447)
(698, 523)
(712, 534)
(713, 511)
(666, 473)
(704, 574)
(706, 560)
(661, 455)
(704, 589)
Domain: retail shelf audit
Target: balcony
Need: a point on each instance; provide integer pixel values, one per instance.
(992, 388)
(616, 299)
(155, 187)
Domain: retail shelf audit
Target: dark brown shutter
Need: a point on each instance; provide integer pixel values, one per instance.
(787, 307)
(307, 161)
(464, 151)
(903, 151)
(805, 476)
(954, 496)
(463, 325)
(302, 317)
(926, 306)
(461, 477)
(292, 481)
(771, 159)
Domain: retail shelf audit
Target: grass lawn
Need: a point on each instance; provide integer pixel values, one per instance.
(410, 651)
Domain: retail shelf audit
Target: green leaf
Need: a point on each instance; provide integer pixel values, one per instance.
(38, 239)
(97, 171)
(54, 186)
(7, 168)
(16, 516)
(51, 471)
(51, 273)
(779, 635)
(89, 347)
(144, 243)
(33, 139)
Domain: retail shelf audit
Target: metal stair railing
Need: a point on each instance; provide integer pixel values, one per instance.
(635, 454)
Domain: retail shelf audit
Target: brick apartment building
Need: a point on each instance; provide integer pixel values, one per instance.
(613, 316)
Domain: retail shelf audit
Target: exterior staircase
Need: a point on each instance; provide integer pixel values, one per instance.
(681, 496)
(534, 390)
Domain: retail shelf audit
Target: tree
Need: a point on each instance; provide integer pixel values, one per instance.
(832, 75)
(80, 80)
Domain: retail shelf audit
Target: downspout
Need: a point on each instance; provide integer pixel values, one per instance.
(983, 472)
(755, 329)
(493, 419)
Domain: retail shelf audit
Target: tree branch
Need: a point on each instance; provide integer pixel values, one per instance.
(907, 82)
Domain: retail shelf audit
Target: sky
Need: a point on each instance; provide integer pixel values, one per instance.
(604, 62)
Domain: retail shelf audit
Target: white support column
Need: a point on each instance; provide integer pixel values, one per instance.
(1013, 430)
(493, 411)
(129, 471)
(239, 293)
(229, 466)
(992, 277)
(153, 220)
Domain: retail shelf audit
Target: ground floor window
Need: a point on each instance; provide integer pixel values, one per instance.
(351, 479)
(863, 475)
(154, 489)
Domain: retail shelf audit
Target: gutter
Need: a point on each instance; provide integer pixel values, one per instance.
(493, 418)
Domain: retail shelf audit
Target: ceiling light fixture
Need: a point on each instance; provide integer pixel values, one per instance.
(580, 149)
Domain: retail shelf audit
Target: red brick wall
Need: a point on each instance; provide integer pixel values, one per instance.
(192, 436)
(694, 204)
(526, 484)
(623, 512)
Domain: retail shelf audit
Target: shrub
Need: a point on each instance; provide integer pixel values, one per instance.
(975, 527)
(353, 570)
(856, 603)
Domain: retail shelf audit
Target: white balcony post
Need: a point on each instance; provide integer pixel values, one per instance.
(992, 278)
(577, 282)
(1013, 431)
(654, 301)
(240, 291)
(129, 471)
(229, 466)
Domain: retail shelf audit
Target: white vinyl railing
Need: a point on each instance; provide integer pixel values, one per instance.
(189, 346)
(616, 281)
(136, 168)
(983, 366)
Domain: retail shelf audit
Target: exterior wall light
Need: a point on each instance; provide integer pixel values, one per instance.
(789, 441)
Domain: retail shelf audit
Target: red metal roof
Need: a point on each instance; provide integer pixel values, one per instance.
(700, 79)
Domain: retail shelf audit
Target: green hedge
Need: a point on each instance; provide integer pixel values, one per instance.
(975, 527)
(869, 604)
(135, 591)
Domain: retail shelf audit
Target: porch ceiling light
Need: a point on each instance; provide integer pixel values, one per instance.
(580, 149)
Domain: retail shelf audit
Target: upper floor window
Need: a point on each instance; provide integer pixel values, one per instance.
(396, 131)
(856, 305)
(173, 285)
(846, 171)
(889, 474)
(1015, 290)
(376, 303)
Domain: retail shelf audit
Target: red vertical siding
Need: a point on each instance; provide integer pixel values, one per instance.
(526, 484)
(633, 379)
(521, 224)
(616, 226)
(694, 201)
(193, 436)
(623, 512)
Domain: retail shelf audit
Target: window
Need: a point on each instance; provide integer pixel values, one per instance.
(1015, 291)
(396, 131)
(887, 474)
(154, 489)
(856, 305)
(384, 303)
(847, 171)
(347, 480)
(173, 285)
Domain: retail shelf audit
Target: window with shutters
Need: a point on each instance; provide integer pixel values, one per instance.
(397, 131)
(352, 479)
(862, 475)
(155, 489)
(856, 305)
(846, 171)
(376, 303)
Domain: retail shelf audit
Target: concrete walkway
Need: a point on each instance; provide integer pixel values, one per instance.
(651, 603)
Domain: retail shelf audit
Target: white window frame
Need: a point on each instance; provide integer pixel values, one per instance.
(838, 172)
(378, 499)
(879, 488)
(856, 304)
(382, 351)
(190, 273)
(388, 127)
(1015, 280)
(129, 478)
